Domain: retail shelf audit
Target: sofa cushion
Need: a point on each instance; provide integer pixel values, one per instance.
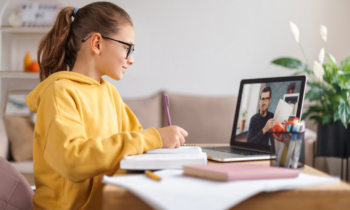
(206, 119)
(148, 110)
(15, 192)
(20, 131)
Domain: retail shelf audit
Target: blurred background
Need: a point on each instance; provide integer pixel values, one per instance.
(206, 47)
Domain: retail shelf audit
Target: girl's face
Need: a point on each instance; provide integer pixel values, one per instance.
(112, 60)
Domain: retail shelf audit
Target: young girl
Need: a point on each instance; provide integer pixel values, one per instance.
(83, 128)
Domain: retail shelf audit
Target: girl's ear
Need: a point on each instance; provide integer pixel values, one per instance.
(95, 43)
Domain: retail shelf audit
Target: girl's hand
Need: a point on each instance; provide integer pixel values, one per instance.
(172, 136)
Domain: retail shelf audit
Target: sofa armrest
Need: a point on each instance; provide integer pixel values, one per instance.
(4, 143)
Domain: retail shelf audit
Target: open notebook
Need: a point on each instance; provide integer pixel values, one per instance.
(165, 159)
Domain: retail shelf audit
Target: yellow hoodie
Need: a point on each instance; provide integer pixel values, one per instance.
(83, 129)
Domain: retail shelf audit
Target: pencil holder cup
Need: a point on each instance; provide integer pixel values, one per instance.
(287, 149)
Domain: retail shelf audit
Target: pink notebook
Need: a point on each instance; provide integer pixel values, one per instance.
(233, 172)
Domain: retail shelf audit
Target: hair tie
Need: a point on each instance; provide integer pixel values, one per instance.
(75, 11)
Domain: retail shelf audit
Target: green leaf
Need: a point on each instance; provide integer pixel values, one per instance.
(333, 61)
(330, 107)
(312, 109)
(337, 99)
(345, 62)
(344, 80)
(327, 119)
(306, 114)
(316, 118)
(316, 108)
(290, 63)
(315, 93)
(298, 72)
(336, 84)
(308, 70)
(340, 72)
(336, 117)
(328, 73)
(344, 113)
(346, 68)
(311, 84)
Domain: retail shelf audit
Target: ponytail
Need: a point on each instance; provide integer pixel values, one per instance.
(51, 51)
(58, 49)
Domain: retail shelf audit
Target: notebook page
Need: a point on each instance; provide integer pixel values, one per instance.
(164, 156)
(162, 161)
(188, 149)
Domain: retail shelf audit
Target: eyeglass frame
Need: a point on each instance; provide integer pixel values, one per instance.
(130, 50)
(265, 99)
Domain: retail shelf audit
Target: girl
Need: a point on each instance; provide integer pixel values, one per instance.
(83, 128)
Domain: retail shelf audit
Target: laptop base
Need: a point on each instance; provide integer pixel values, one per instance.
(232, 157)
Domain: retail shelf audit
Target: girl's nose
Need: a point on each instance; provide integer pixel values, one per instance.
(131, 60)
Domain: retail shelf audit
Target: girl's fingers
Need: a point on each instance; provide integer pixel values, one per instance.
(183, 132)
(182, 140)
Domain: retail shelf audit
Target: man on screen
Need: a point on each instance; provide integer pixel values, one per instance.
(261, 122)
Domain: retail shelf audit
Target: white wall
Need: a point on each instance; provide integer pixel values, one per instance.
(206, 47)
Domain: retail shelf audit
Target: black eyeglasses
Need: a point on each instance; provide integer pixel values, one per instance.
(265, 99)
(130, 50)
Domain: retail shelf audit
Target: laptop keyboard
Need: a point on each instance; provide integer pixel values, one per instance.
(236, 151)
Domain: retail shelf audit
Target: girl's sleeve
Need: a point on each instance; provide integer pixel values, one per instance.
(78, 157)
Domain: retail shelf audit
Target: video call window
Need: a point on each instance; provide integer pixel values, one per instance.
(258, 105)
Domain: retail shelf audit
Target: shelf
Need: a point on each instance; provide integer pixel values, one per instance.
(19, 74)
(26, 30)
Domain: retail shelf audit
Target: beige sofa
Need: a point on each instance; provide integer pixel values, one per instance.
(207, 119)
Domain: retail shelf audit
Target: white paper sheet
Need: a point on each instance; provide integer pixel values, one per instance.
(176, 191)
(162, 161)
(282, 112)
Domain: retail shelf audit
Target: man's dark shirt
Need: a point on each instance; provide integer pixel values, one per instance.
(255, 133)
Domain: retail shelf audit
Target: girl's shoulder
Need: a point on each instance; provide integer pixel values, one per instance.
(110, 86)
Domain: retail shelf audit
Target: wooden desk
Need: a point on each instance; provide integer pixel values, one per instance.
(332, 196)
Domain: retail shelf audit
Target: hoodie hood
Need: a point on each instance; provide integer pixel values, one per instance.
(34, 97)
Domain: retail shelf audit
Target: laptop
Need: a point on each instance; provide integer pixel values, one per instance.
(256, 106)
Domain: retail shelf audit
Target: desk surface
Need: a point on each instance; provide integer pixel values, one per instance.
(332, 196)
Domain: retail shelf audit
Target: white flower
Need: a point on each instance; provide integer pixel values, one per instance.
(318, 70)
(295, 30)
(323, 31)
(321, 56)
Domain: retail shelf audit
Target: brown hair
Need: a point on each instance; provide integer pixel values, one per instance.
(58, 49)
(266, 89)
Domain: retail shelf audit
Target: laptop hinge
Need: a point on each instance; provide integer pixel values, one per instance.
(246, 148)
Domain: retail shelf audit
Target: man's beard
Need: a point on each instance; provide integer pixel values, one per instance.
(263, 111)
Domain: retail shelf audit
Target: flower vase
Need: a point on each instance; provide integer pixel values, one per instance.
(241, 126)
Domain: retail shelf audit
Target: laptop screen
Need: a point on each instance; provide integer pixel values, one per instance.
(261, 103)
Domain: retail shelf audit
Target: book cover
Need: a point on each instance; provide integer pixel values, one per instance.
(234, 172)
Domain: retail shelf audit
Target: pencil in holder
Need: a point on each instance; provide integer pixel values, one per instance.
(287, 149)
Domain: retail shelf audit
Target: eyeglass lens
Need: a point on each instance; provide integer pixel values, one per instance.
(130, 51)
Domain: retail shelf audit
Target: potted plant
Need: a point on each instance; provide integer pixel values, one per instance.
(329, 95)
(243, 115)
